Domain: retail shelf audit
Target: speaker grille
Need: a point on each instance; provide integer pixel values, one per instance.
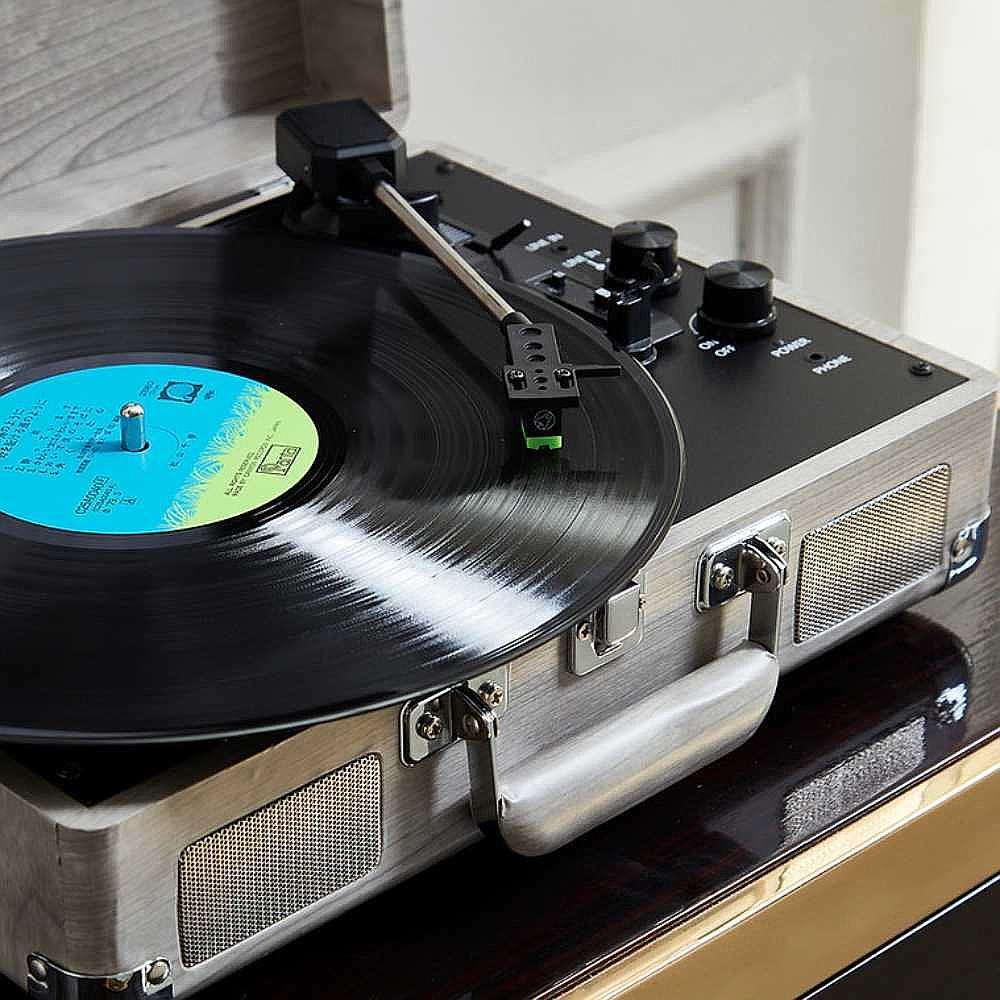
(259, 869)
(871, 553)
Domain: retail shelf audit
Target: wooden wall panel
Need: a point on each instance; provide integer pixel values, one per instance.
(86, 81)
(356, 47)
(129, 112)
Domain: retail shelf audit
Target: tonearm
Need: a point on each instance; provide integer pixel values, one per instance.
(346, 160)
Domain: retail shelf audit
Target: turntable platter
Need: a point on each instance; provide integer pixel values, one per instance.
(333, 510)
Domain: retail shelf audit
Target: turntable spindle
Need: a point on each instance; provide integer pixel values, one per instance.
(133, 425)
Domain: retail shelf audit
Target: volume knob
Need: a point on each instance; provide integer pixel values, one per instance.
(737, 300)
(633, 243)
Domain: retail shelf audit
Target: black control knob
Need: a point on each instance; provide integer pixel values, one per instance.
(633, 244)
(737, 300)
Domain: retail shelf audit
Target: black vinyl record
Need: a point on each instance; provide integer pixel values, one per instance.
(405, 540)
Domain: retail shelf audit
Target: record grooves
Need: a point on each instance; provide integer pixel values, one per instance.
(420, 543)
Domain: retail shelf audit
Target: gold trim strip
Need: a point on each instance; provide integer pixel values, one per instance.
(834, 902)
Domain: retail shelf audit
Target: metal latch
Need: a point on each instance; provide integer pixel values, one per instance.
(430, 724)
(752, 562)
(613, 629)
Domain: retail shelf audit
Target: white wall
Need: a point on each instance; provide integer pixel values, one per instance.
(535, 84)
(953, 282)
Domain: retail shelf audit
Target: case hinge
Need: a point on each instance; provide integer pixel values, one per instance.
(752, 562)
(430, 724)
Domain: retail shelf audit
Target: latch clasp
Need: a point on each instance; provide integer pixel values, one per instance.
(613, 629)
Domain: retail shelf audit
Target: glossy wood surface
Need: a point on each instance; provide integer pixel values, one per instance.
(863, 722)
(846, 732)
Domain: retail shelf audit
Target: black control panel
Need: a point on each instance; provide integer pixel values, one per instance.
(759, 385)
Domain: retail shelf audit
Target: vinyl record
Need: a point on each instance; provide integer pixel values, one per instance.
(334, 511)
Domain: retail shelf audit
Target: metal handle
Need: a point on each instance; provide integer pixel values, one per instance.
(566, 790)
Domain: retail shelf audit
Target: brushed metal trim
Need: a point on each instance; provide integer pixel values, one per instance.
(727, 951)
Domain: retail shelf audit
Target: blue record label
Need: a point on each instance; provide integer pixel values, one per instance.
(218, 445)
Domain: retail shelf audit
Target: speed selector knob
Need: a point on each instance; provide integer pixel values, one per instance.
(634, 245)
(737, 300)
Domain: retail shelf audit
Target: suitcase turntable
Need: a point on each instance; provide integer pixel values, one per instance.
(317, 563)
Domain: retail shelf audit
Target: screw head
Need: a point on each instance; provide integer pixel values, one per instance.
(778, 544)
(429, 726)
(491, 693)
(723, 577)
(961, 548)
(37, 969)
(922, 368)
(584, 631)
(158, 972)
